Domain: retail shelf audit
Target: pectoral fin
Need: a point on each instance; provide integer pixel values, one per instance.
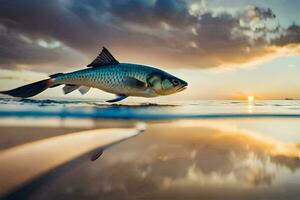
(119, 98)
(96, 154)
(135, 83)
(70, 88)
(83, 89)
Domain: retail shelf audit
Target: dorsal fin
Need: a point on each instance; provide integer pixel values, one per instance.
(104, 58)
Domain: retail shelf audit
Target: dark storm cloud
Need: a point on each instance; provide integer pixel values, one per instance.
(291, 36)
(70, 24)
(156, 32)
(18, 49)
(174, 13)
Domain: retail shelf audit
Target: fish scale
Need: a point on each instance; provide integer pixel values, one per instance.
(108, 78)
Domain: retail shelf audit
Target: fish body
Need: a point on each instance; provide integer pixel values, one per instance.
(113, 79)
(107, 74)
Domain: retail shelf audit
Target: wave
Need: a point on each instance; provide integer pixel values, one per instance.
(112, 113)
(147, 111)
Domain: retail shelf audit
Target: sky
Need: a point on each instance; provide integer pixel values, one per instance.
(225, 49)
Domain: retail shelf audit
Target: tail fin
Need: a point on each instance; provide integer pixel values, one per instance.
(30, 89)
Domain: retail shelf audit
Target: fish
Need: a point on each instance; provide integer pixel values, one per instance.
(108, 74)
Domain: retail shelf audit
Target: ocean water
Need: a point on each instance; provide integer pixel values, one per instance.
(149, 111)
(209, 149)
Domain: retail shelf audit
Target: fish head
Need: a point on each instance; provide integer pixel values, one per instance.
(165, 84)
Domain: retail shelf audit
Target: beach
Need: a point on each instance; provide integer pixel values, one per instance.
(254, 157)
(157, 99)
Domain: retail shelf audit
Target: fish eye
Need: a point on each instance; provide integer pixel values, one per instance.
(175, 82)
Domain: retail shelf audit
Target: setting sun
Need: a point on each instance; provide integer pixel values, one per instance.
(250, 98)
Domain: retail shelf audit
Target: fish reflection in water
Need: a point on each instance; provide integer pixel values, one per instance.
(24, 165)
(187, 159)
(179, 161)
(96, 154)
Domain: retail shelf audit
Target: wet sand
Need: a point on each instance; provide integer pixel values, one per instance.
(180, 159)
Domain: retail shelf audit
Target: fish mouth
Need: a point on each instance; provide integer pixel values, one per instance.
(181, 88)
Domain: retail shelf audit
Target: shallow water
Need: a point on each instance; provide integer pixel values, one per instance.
(190, 150)
(147, 111)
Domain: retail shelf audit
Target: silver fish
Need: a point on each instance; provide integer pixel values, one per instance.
(107, 74)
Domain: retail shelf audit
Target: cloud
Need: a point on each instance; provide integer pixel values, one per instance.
(158, 32)
(19, 50)
(173, 13)
(290, 36)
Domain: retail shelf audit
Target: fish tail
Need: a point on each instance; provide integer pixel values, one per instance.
(30, 89)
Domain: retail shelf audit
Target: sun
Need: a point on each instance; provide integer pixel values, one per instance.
(250, 98)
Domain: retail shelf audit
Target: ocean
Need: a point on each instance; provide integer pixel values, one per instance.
(208, 149)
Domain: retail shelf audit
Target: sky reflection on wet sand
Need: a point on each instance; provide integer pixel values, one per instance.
(190, 159)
